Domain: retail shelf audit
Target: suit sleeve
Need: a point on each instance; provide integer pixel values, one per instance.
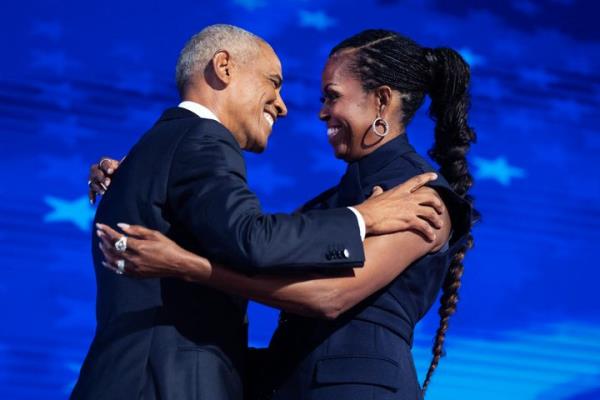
(209, 196)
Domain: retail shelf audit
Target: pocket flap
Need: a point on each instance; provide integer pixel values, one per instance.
(372, 370)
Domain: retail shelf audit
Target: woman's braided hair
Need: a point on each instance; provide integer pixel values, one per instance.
(382, 57)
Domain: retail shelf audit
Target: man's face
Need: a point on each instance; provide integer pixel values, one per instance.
(256, 98)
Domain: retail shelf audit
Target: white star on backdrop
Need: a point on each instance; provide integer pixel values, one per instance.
(317, 19)
(473, 59)
(78, 212)
(499, 170)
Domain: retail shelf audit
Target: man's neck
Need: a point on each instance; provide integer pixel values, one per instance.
(219, 111)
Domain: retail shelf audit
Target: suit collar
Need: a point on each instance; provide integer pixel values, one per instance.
(350, 188)
(176, 113)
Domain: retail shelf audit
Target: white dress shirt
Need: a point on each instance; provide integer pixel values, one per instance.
(204, 112)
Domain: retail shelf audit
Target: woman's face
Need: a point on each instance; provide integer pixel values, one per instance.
(347, 109)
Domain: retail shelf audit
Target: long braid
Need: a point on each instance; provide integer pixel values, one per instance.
(384, 57)
(453, 138)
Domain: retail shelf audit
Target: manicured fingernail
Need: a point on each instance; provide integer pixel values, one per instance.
(110, 170)
(123, 225)
(105, 264)
(99, 233)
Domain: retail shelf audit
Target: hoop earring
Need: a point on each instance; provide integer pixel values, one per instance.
(386, 127)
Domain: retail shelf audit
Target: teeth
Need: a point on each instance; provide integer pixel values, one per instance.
(331, 132)
(269, 118)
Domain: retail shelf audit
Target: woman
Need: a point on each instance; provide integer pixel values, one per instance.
(373, 83)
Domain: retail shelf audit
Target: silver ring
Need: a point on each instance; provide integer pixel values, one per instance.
(102, 160)
(120, 267)
(121, 244)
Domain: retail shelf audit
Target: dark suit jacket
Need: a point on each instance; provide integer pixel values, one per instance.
(168, 339)
(365, 353)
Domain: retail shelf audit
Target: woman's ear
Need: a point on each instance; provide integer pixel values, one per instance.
(383, 95)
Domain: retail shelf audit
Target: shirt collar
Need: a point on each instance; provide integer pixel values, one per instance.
(199, 110)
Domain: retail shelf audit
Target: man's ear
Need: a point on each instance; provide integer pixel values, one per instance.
(222, 66)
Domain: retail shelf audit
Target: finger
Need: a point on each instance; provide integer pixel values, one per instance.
(108, 165)
(96, 174)
(110, 267)
(137, 230)
(108, 231)
(96, 188)
(432, 201)
(377, 190)
(419, 181)
(91, 195)
(424, 228)
(431, 216)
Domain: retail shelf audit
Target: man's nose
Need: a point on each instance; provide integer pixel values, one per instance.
(281, 107)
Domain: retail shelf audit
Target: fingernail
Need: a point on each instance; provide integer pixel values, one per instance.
(435, 176)
(123, 225)
(99, 233)
(110, 170)
(105, 264)
(102, 192)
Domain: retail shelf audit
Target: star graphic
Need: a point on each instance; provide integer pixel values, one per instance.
(78, 211)
(318, 20)
(49, 29)
(250, 5)
(68, 130)
(498, 170)
(471, 58)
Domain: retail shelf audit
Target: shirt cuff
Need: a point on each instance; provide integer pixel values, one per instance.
(361, 223)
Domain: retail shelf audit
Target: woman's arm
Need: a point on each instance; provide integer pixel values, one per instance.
(150, 254)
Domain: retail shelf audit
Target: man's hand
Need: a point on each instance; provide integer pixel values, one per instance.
(408, 206)
(99, 179)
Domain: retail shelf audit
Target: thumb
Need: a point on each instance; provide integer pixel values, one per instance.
(377, 190)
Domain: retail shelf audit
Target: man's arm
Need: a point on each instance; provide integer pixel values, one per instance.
(151, 254)
(210, 198)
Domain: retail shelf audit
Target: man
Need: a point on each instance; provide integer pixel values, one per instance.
(169, 339)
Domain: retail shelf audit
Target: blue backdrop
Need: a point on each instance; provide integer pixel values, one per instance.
(84, 79)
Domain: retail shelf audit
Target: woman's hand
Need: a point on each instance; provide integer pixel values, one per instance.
(99, 178)
(149, 254)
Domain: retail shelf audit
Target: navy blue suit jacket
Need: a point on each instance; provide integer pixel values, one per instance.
(169, 339)
(366, 352)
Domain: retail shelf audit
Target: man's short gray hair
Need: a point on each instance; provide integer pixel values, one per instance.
(202, 47)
